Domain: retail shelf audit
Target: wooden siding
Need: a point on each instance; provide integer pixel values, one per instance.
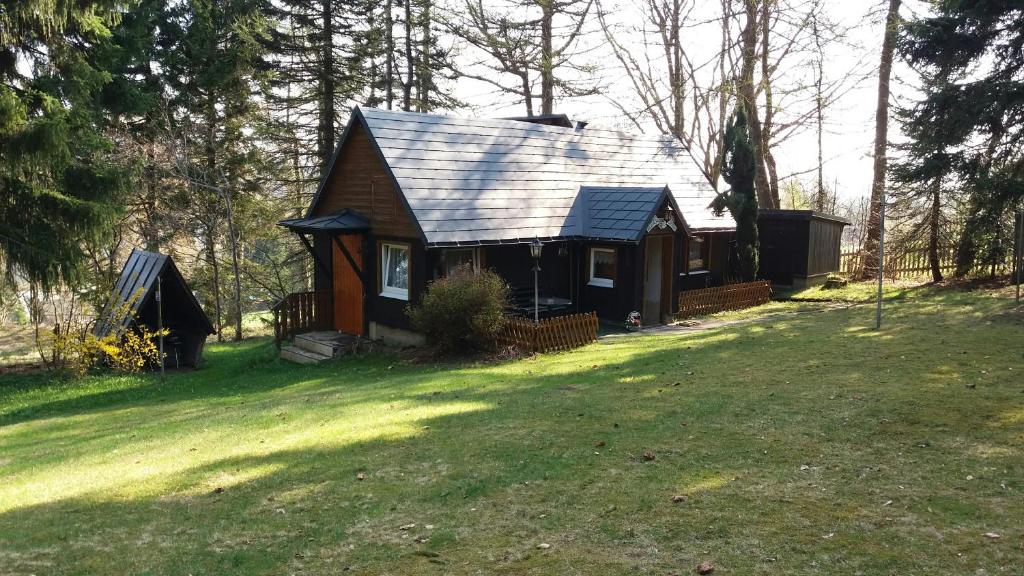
(359, 180)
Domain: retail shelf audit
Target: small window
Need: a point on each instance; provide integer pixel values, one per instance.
(460, 257)
(394, 271)
(696, 257)
(602, 267)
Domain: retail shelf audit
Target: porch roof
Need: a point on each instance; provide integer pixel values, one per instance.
(339, 223)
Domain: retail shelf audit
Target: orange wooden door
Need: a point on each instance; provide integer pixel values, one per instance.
(348, 290)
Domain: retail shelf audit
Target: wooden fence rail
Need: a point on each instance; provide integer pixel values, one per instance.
(718, 299)
(911, 263)
(301, 312)
(558, 333)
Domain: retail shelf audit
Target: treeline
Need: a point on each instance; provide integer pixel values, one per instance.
(192, 126)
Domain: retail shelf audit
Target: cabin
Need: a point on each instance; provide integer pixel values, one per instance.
(799, 248)
(152, 292)
(623, 220)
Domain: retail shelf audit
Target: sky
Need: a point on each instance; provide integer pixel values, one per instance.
(849, 122)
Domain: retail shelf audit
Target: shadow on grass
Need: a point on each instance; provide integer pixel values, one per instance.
(507, 440)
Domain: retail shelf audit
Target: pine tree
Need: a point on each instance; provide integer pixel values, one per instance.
(740, 199)
(921, 177)
(60, 181)
(978, 115)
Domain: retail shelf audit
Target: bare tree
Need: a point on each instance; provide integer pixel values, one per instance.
(682, 94)
(534, 41)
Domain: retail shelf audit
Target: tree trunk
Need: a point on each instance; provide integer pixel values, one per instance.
(933, 230)
(524, 76)
(871, 264)
(410, 64)
(327, 88)
(769, 108)
(389, 57)
(426, 78)
(748, 96)
(151, 228)
(547, 58)
(234, 265)
(819, 104)
(211, 256)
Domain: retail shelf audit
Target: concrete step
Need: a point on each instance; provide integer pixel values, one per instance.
(302, 356)
(325, 343)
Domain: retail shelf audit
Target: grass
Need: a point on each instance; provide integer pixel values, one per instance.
(809, 444)
(17, 345)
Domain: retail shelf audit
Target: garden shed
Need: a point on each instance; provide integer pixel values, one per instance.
(145, 276)
(799, 248)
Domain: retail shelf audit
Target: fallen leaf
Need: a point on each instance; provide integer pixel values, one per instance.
(992, 535)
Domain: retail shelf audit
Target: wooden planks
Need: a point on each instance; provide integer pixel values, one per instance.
(301, 312)
(730, 297)
(911, 263)
(550, 334)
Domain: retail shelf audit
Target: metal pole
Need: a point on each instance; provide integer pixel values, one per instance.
(160, 320)
(881, 263)
(1018, 254)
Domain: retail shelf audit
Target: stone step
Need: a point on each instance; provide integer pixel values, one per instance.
(302, 356)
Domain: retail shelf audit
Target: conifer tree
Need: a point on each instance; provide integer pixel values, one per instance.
(978, 115)
(740, 199)
(60, 181)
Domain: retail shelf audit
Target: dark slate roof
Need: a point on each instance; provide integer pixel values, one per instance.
(344, 221)
(619, 212)
(138, 279)
(498, 180)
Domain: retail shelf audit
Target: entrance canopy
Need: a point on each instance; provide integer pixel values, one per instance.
(346, 221)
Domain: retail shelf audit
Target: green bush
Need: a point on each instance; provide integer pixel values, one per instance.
(463, 312)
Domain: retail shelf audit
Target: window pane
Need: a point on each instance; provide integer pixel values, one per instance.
(455, 258)
(604, 264)
(396, 271)
(696, 254)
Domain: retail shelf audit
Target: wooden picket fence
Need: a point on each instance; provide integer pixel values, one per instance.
(729, 297)
(557, 333)
(912, 263)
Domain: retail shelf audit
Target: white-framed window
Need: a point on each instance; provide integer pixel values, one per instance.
(696, 254)
(602, 267)
(394, 271)
(455, 257)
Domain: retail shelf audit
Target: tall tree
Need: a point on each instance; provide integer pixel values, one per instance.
(738, 170)
(533, 42)
(678, 92)
(217, 68)
(921, 178)
(880, 164)
(978, 113)
(60, 179)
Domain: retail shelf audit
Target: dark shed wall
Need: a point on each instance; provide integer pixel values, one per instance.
(798, 245)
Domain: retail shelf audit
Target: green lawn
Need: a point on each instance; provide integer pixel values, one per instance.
(805, 444)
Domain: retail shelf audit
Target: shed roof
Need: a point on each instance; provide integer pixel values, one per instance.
(138, 280)
(484, 180)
